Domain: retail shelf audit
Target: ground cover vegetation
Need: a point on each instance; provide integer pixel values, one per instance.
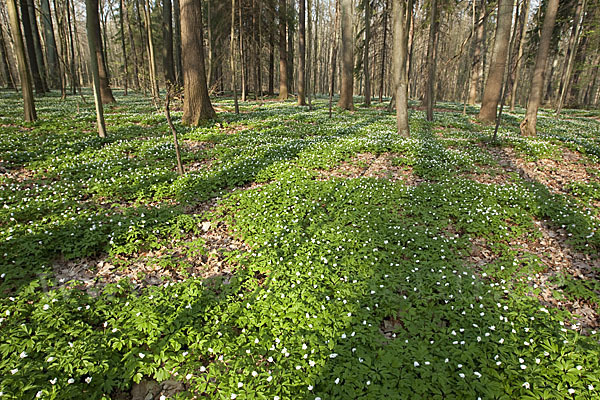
(299, 256)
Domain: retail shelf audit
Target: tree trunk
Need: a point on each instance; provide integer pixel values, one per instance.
(523, 39)
(242, 54)
(62, 38)
(94, 19)
(30, 47)
(152, 59)
(431, 59)
(367, 76)
(528, 125)
(308, 87)
(399, 65)
(493, 87)
(283, 62)
(167, 48)
(315, 48)
(136, 77)
(477, 64)
(123, 47)
(258, 37)
(271, 78)
(290, 47)
(210, 49)
(54, 73)
(570, 56)
(177, 43)
(26, 89)
(196, 103)
(71, 50)
(232, 58)
(383, 49)
(347, 86)
(5, 64)
(93, 32)
(37, 43)
(302, 55)
(332, 59)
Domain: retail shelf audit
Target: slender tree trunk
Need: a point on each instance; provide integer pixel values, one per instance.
(37, 43)
(333, 58)
(309, 56)
(209, 31)
(94, 19)
(528, 125)
(383, 50)
(63, 61)
(367, 76)
(54, 74)
(93, 33)
(72, 50)
(177, 43)
(399, 65)
(30, 47)
(123, 47)
(315, 48)
(283, 61)
(477, 64)
(196, 103)
(4, 63)
(242, 54)
(347, 86)
(431, 59)
(136, 78)
(259, 50)
(290, 47)
(167, 45)
(152, 58)
(493, 87)
(271, 78)
(26, 88)
(570, 56)
(302, 55)
(232, 58)
(522, 40)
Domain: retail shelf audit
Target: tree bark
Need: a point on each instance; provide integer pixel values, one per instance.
(232, 58)
(332, 59)
(528, 125)
(93, 32)
(30, 47)
(302, 55)
(105, 91)
(167, 48)
(522, 40)
(136, 77)
(431, 59)
(242, 55)
(383, 49)
(54, 73)
(493, 87)
(4, 63)
(152, 59)
(570, 56)
(399, 65)
(196, 103)
(283, 62)
(123, 47)
(177, 43)
(367, 75)
(74, 83)
(477, 64)
(290, 46)
(347, 85)
(271, 77)
(26, 88)
(37, 43)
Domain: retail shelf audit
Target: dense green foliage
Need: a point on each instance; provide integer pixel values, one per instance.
(354, 288)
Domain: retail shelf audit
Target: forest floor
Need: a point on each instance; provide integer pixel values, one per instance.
(299, 257)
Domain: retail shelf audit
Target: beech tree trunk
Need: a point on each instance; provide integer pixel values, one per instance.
(73, 70)
(54, 73)
(177, 43)
(26, 87)
(37, 43)
(493, 87)
(302, 55)
(524, 17)
(93, 32)
(347, 85)
(123, 47)
(400, 73)
(232, 58)
(477, 64)
(167, 45)
(366, 68)
(431, 59)
(30, 47)
(151, 57)
(333, 58)
(5, 64)
(196, 103)
(283, 62)
(528, 125)
(383, 49)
